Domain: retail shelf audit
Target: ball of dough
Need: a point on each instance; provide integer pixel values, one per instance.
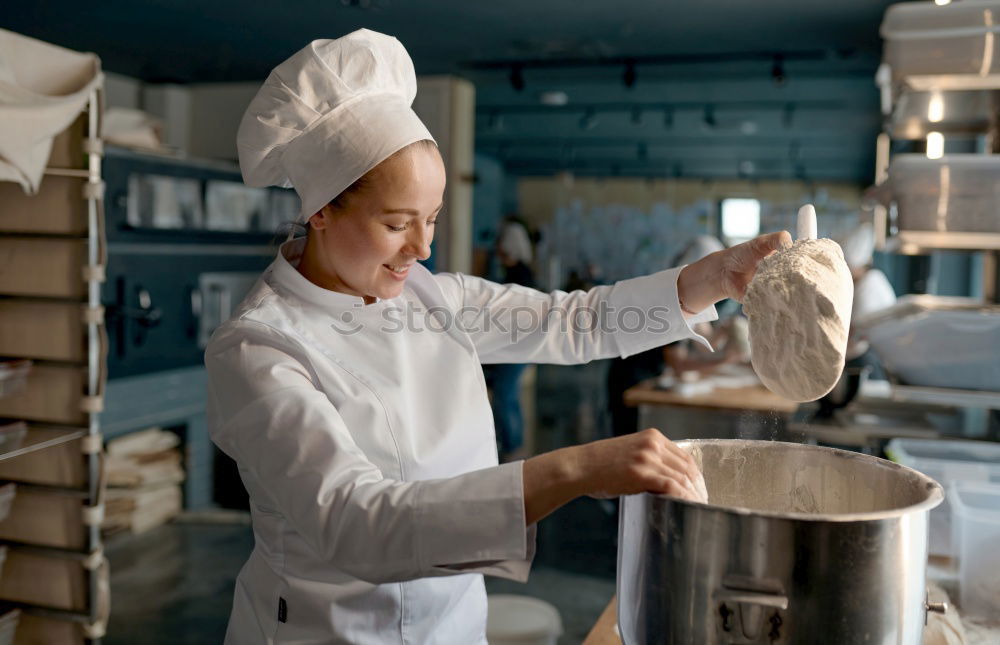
(799, 310)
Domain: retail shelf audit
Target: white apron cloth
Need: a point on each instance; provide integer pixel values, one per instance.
(43, 88)
(365, 439)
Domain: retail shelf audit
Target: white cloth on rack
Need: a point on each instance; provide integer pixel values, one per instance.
(43, 88)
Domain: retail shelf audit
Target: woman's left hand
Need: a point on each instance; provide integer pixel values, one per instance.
(726, 274)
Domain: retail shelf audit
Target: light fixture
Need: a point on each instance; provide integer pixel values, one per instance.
(748, 128)
(935, 108)
(747, 168)
(708, 118)
(788, 115)
(553, 98)
(935, 145)
(739, 219)
(517, 77)
(588, 120)
(778, 70)
(668, 118)
(628, 77)
(636, 116)
(795, 151)
(942, 3)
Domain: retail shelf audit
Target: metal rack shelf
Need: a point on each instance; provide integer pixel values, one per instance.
(945, 396)
(93, 610)
(917, 242)
(41, 438)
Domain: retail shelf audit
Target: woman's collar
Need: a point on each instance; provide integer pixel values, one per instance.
(288, 278)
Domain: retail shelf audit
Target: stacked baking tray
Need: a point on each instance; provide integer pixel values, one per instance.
(52, 330)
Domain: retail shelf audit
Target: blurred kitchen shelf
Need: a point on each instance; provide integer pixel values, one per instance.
(946, 82)
(68, 172)
(945, 396)
(859, 435)
(917, 242)
(40, 438)
(55, 613)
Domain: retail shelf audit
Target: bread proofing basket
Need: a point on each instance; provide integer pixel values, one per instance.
(800, 545)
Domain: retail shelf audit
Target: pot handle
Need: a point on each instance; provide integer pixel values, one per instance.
(934, 607)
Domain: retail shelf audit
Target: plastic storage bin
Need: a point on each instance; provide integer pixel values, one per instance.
(923, 39)
(7, 492)
(976, 512)
(940, 348)
(947, 462)
(12, 436)
(13, 376)
(8, 625)
(958, 193)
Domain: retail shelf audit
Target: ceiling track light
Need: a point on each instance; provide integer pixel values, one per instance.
(708, 118)
(795, 151)
(788, 115)
(628, 77)
(778, 70)
(517, 77)
(495, 122)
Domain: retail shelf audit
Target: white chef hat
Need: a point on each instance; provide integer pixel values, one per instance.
(859, 246)
(515, 241)
(701, 246)
(328, 115)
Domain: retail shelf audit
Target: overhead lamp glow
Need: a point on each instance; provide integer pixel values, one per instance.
(942, 3)
(553, 98)
(935, 108)
(935, 145)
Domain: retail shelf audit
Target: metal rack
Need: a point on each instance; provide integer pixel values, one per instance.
(91, 619)
(973, 110)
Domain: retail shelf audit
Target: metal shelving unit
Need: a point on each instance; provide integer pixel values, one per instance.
(963, 105)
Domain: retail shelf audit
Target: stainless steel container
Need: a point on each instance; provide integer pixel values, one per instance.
(800, 545)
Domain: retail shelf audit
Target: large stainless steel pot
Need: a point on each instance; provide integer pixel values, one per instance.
(799, 545)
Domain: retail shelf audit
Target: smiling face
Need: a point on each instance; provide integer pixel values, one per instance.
(364, 243)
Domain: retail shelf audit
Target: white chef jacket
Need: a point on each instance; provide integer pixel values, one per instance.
(871, 293)
(364, 437)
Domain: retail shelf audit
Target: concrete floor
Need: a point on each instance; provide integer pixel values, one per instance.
(174, 584)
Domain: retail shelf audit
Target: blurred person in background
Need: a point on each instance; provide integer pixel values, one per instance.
(514, 253)
(872, 292)
(682, 356)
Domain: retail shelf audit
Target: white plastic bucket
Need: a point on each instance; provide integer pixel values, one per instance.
(522, 620)
(947, 461)
(976, 509)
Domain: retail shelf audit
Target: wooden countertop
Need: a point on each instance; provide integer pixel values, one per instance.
(603, 632)
(757, 398)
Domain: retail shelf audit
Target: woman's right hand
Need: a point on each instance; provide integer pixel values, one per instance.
(638, 463)
(644, 462)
